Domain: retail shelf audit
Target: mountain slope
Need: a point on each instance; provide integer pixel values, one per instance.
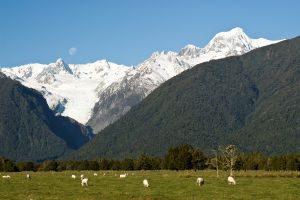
(119, 97)
(139, 82)
(99, 93)
(29, 130)
(251, 100)
(70, 90)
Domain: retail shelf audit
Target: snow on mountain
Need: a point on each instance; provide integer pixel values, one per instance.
(101, 92)
(70, 90)
(138, 82)
(260, 42)
(118, 98)
(190, 51)
(232, 43)
(50, 73)
(160, 67)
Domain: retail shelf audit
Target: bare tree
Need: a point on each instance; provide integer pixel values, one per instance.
(229, 157)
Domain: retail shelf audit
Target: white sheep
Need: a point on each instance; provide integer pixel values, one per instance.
(28, 176)
(73, 176)
(95, 174)
(200, 181)
(6, 176)
(81, 176)
(146, 183)
(84, 181)
(104, 174)
(123, 175)
(231, 180)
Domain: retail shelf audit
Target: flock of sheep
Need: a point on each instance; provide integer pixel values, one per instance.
(199, 180)
(84, 180)
(230, 179)
(8, 176)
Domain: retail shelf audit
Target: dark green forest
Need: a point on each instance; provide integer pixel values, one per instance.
(29, 130)
(252, 101)
(183, 157)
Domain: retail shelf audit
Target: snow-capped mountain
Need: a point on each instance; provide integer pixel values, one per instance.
(99, 93)
(70, 90)
(119, 97)
(224, 44)
(138, 82)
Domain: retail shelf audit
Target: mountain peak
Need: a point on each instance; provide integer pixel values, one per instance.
(101, 61)
(189, 50)
(158, 54)
(238, 30)
(189, 46)
(234, 42)
(231, 33)
(60, 64)
(60, 60)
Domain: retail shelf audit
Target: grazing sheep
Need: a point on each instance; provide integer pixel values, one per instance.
(95, 174)
(6, 176)
(73, 176)
(231, 180)
(123, 175)
(200, 181)
(84, 182)
(81, 176)
(146, 183)
(28, 176)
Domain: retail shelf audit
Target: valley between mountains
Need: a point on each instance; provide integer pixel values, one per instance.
(97, 94)
(235, 90)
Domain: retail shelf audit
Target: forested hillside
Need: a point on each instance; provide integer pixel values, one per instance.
(252, 101)
(29, 130)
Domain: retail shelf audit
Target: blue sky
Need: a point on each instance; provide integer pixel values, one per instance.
(128, 31)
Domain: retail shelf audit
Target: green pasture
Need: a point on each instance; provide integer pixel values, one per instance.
(164, 185)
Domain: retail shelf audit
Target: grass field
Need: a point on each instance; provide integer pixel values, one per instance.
(164, 185)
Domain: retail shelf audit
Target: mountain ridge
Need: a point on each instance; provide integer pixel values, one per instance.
(105, 91)
(251, 101)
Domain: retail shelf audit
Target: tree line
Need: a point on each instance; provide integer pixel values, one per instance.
(183, 157)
